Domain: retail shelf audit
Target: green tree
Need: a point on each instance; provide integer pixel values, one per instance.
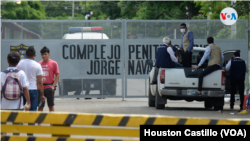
(111, 9)
(101, 9)
(63, 10)
(215, 7)
(158, 9)
(26, 10)
(96, 7)
(243, 9)
(218, 30)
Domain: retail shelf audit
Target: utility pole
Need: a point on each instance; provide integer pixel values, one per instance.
(233, 27)
(73, 6)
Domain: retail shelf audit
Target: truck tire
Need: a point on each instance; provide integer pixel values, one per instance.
(208, 103)
(151, 98)
(218, 103)
(216, 108)
(159, 101)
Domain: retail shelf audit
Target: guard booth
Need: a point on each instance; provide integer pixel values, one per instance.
(107, 58)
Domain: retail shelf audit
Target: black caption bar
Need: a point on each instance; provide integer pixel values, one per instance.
(163, 132)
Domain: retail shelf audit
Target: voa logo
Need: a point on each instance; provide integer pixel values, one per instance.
(228, 16)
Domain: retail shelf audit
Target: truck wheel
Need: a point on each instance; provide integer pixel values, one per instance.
(216, 108)
(208, 103)
(151, 98)
(159, 101)
(218, 103)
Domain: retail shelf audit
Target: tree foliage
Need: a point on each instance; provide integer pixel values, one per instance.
(243, 9)
(26, 10)
(158, 9)
(215, 7)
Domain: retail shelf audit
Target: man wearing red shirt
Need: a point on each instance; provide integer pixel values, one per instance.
(50, 78)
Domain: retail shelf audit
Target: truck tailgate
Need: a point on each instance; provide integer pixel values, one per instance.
(186, 78)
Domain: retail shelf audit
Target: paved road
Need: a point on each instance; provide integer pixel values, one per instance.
(140, 106)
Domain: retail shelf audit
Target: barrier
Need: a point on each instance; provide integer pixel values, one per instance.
(246, 105)
(109, 119)
(95, 121)
(115, 125)
(30, 138)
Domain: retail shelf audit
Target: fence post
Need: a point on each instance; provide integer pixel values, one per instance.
(124, 78)
(1, 32)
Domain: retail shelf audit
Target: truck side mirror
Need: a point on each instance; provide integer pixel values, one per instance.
(149, 62)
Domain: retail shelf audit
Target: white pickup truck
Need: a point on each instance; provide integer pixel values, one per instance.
(181, 83)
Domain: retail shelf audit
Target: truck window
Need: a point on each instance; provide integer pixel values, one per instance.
(227, 57)
(196, 57)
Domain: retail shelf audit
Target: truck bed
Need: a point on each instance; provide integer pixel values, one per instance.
(186, 78)
(183, 82)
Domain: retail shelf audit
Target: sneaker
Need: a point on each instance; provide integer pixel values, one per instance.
(242, 112)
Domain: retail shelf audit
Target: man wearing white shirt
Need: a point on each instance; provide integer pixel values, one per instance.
(238, 69)
(165, 58)
(34, 73)
(215, 62)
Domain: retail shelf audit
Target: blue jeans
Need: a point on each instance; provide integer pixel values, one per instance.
(33, 100)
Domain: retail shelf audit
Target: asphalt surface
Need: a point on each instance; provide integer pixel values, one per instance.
(140, 106)
(136, 87)
(136, 106)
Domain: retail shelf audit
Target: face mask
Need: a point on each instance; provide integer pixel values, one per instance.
(183, 30)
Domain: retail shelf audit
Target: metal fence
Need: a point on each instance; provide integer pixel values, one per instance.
(92, 65)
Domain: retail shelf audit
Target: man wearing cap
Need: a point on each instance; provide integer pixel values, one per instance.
(165, 58)
(187, 43)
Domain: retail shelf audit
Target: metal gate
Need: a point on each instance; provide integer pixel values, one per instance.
(111, 62)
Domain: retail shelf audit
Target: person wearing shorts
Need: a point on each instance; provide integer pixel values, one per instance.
(50, 78)
(49, 94)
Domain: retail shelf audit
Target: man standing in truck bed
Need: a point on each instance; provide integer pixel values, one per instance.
(187, 43)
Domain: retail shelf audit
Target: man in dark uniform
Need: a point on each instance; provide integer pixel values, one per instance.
(165, 58)
(238, 69)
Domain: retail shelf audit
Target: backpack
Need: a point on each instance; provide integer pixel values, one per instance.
(12, 87)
